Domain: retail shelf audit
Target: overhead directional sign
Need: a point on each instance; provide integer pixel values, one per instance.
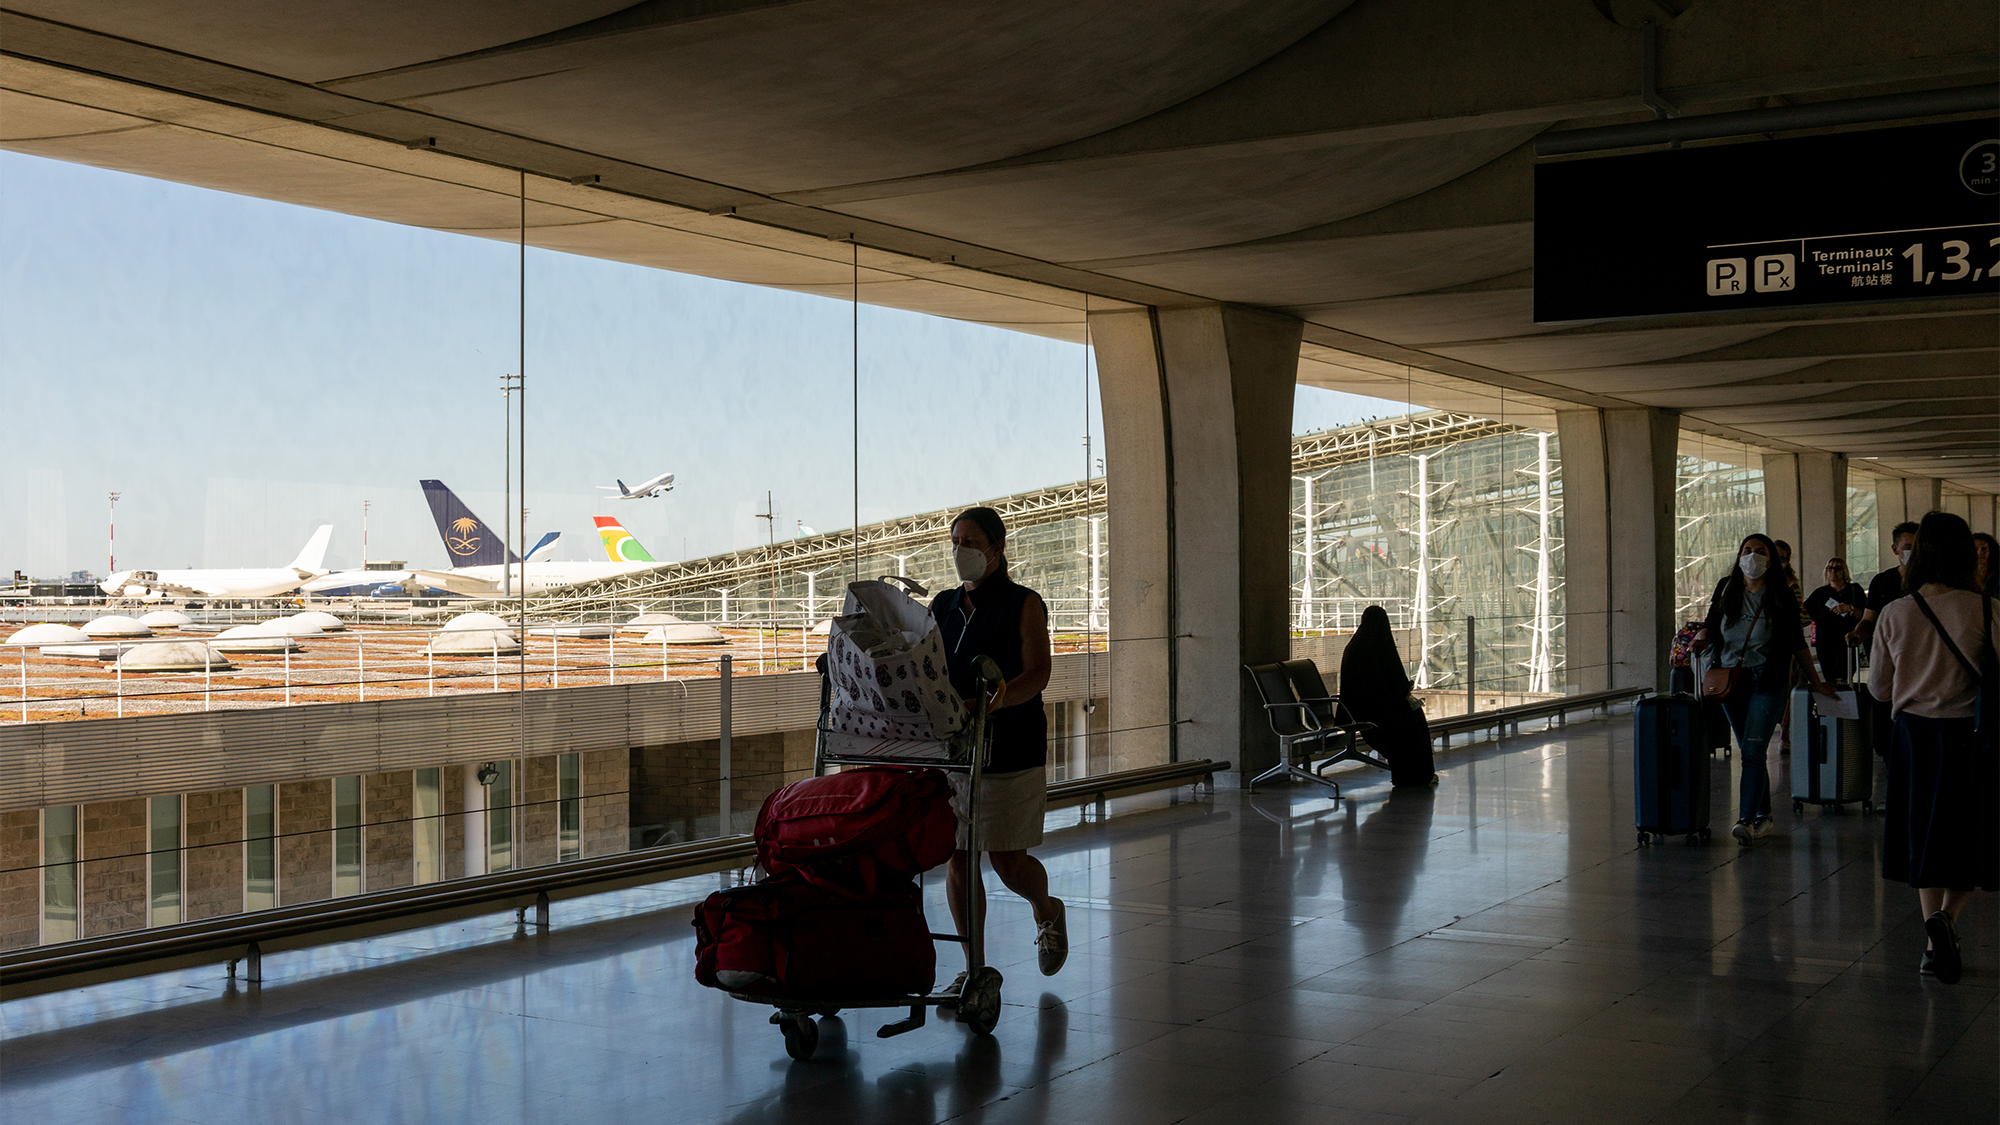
(1880, 215)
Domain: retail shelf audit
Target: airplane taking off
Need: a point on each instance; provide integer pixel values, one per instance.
(241, 582)
(662, 483)
(467, 537)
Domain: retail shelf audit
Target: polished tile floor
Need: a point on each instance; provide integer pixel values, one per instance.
(1498, 951)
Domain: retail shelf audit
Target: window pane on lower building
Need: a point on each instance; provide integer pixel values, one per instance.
(163, 876)
(427, 829)
(260, 847)
(59, 874)
(346, 836)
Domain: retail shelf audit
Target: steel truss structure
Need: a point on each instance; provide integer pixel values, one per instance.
(1490, 531)
(1448, 519)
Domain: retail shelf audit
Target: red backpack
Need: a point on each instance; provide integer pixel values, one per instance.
(788, 938)
(846, 830)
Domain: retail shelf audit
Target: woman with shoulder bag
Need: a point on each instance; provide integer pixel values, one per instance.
(1753, 622)
(1933, 667)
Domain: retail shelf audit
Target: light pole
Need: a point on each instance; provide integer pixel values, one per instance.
(111, 538)
(364, 533)
(507, 384)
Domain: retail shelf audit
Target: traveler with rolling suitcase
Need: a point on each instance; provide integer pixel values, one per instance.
(1938, 671)
(1832, 764)
(1753, 623)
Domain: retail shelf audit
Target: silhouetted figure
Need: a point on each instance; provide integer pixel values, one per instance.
(1375, 689)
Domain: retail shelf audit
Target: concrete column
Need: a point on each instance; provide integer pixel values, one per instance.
(1198, 412)
(1618, 545)
(1897, 501)
(1985, 509)
(1781, 497)
(1805, 504)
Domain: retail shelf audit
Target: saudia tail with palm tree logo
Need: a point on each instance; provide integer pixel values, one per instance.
(466, 537)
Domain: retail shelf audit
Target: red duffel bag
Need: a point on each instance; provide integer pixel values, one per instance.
(854, 829)
(788, 938)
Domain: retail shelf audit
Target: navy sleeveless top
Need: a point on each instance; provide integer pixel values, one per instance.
(987, 622)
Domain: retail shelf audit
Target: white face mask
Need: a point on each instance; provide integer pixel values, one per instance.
(1753, 566)
(970, 563)
(1905, 556)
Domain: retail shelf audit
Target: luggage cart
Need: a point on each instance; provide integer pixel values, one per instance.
(967, 752)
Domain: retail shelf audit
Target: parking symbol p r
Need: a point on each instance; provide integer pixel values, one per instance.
(1727, 277)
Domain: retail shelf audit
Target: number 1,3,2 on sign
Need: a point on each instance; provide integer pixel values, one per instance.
(1957, 262)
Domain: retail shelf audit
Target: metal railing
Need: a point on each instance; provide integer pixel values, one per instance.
(245, 938)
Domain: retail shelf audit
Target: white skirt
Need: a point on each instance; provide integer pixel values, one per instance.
(1011, 806)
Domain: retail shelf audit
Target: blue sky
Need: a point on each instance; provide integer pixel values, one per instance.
(242, 371)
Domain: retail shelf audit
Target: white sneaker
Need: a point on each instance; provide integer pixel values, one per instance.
(1761, 827)
(1052, 941)
(1742, 832)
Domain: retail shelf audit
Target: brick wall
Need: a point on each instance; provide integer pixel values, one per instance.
(305, 845)
(113, 851)
(606, 822)
(675, 792)
(214, 861)
(20, 878)
(387, 838)
(540, 788)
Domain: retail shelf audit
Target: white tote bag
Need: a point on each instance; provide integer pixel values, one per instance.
(886, 659)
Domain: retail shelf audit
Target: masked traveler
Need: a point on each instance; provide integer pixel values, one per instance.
(1941, 825)
(991, 615)
(1753, 624)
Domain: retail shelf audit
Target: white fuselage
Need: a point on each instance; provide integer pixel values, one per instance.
(544, 576)
(251, 582)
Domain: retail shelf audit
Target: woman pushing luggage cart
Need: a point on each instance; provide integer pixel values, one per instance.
(837, 921)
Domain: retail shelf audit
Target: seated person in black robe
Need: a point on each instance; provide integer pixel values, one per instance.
(1375, 689)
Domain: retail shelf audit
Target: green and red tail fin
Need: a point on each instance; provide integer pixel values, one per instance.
(619, 546)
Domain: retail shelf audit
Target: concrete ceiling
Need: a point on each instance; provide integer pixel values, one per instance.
(1364, 165)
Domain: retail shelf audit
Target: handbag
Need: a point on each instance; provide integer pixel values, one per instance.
(1986, 709)
(1722, 684)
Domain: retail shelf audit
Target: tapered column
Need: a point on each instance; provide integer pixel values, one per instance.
(1805, 504)
(1618, 546)
(1198, 411)
(1898, 501)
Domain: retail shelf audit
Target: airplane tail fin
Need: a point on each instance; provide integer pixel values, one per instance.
(619, 546)
(545, 543)
(468, 541)
(314, 555)
(622, 490)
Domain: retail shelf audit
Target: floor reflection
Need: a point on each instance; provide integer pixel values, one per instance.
(1494, 950)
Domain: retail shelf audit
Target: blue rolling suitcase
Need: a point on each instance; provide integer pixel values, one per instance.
(1670, 778)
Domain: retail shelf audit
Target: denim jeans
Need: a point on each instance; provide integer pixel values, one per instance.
(1753, 717)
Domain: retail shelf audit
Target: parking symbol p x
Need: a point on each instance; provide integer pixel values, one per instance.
(1776, 273)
